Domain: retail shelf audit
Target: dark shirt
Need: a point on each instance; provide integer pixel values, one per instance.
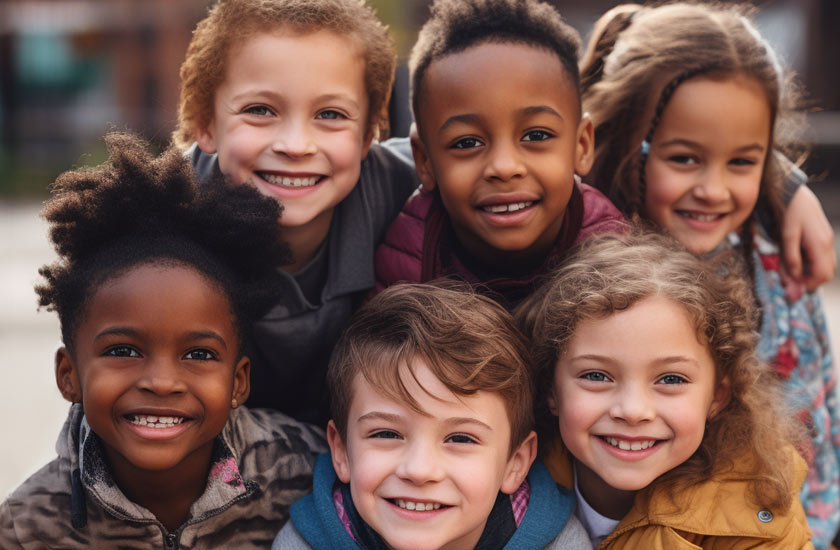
(290, 346)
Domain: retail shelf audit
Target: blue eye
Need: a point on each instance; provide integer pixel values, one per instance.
(672, 379)
(460, 438)
(595, 376)
(200, 354)
(385, 434)
(537, 135)
(467, 143)
(330, 114)
(122, 351)
(260, 110)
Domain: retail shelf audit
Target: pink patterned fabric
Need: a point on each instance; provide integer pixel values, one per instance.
(227, 471)
(519, 501)
(342, 514)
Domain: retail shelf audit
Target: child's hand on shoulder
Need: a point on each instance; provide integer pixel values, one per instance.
(805, 228)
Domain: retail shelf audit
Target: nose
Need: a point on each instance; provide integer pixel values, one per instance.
(633, 405)
(293, 138)
(712, 185)
(161, 376)
(504, 162)
(420, 464)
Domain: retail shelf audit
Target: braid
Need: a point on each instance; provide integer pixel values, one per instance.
(664, 98)
(603, 43)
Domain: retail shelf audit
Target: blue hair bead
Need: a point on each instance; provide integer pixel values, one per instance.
(645, 147)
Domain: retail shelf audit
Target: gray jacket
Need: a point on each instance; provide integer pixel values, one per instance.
(263, 463)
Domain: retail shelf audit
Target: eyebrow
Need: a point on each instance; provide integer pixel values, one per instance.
(394, 418)
(134, 333)
(470, 118)
(541, 109)
(279, 97)
(202, 334)
(378, 415)
(667, 360)
(458, 421)
(688, 143)
(118, 331)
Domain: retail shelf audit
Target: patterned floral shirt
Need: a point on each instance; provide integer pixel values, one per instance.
(795, 342)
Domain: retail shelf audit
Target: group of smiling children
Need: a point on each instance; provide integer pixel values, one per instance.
(484, 348)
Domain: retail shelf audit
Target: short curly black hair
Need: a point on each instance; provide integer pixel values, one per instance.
(455, 25)
(138, 209)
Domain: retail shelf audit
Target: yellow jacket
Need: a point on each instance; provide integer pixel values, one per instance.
(714, 515)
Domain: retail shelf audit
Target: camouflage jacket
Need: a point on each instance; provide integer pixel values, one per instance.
(262, 463)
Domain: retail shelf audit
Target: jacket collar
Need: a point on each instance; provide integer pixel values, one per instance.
(314, 515)
(733, 513)
(91, 474)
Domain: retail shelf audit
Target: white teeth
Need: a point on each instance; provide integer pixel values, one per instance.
(512, 207)
(701, 217)
(286, 181)
(151, 421)
(628, 445)
(417, 506)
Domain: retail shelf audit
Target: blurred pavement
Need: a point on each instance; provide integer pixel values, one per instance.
(29, 401)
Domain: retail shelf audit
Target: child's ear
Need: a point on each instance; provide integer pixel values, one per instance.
(552, 404)
(421, 161)
(519, 464)
(67, 376)
(373, 134)
(205, 139)
(720, 399)
(585, 146)
(241, 382)
(339, 453)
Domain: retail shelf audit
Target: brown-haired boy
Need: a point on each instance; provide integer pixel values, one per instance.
(431, 436)
(288, 96)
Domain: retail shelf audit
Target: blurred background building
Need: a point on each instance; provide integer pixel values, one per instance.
(71, 70)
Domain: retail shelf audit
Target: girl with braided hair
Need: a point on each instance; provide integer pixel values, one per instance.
(694, 123)
(155, 289)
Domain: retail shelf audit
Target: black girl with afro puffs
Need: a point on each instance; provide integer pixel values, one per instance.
(155, 288)
(137, 209)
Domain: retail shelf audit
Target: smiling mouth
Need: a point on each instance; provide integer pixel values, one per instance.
(700, 217)
(507, 208)
(625, 445)
(417, 506)
(152, 421)
(286, 181)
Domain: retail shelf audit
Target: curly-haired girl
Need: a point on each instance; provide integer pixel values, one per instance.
(694, 121)
(155, 289)
(669, 430)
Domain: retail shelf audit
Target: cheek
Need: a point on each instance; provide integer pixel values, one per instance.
(236, 157)
(662, 190)
(688, 420)
(367, 470)
(747, 193)
(344, 151)
(577, 413)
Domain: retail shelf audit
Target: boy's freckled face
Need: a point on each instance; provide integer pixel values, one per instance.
(291, 119)
(502, 136)
(633, 392)
(156, 361)
(453, 461)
